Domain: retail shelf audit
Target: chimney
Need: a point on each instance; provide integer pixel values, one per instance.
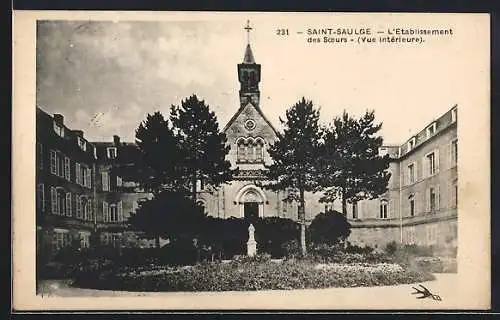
(78, 133)
(116, 140)
(59, 118)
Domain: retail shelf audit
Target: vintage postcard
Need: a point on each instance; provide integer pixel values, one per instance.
(251, 161)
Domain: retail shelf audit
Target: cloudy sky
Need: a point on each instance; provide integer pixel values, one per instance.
(104, 77)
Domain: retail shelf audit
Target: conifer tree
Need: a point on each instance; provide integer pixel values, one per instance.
(294, 155)
(203, 146)
(159, 156)
(351, 168)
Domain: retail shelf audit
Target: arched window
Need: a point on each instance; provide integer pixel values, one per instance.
(411, 204)
(384, 205)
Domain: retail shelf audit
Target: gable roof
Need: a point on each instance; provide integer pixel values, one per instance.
(235, 116)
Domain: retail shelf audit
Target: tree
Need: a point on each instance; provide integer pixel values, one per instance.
(158, 165)
(169, 213)
(294, 155)
(351, 168)
(329, 227)
(202, 145)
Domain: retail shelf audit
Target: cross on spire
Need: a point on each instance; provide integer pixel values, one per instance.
(248, 28)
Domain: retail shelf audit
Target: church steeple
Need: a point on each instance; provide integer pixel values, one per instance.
(249, 75)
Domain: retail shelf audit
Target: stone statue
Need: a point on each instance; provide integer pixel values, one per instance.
(251, 243)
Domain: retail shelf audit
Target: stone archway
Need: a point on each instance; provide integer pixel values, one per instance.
(251, 200)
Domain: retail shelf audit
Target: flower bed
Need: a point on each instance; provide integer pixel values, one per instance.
(253, 275)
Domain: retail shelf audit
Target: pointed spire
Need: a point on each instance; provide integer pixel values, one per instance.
(248, 58)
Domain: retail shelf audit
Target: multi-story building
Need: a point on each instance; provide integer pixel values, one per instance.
(64, 184)
(420, 206)
(78, 190)
(117, 193)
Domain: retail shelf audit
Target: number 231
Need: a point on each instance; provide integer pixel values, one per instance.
(282, 32)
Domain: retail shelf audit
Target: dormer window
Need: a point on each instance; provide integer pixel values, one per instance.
(382, 152)
(431, 130)
(454, 115)
(411, 143)
(112, 153)
(82, 144)
(59, 130)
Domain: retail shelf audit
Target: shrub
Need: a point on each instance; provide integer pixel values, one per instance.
(252, 274)
(330, 227)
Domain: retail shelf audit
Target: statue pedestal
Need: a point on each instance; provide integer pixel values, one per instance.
(251, 243)
(251, 248)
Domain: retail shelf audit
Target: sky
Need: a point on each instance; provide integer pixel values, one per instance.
(106, 76)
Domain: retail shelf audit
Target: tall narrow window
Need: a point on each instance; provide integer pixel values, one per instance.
(432, 199)
(454, 152)
(120, 211)
(67, 172)
(241, 151)
(119, 182)
(383, 209)
(78, 173)
(105, 181)
(53, 162)
(411, 173)
(354, 210)
(68, 204)
(411, 200)
(105, 211)
(40, 196)
(112, 153)
(431, 163)
(40, 155)
(53, 200)
(78, 201)
(113, 213)
(88, 181)
(258, 151)
(454, 196)
(59, 166)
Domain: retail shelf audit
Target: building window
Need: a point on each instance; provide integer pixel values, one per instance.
(454, 195)
(59, 130)
(431, 130)
(95, 152)
(410, 235)
(60, 238)
(454, 115)
(105, 211)
(431, 234)
(105, 181)
(250, 150)
(113, 212)
(411, 200)
(68, 204)
(79, 210)
(82, 144)
(53, 162)
(411, 173)
(40, 196)
(87, 215)
(58, 201)
(67, 171)
(454, 152)
(383, 209)
(119, 182)
(40, 155)
(355, 210)
(85, 239)
(78, 173)
(432, 199)
(431, 163)
(88, 179)
(411, 143)
(112, 153)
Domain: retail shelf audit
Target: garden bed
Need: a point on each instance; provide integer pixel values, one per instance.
(252, 275)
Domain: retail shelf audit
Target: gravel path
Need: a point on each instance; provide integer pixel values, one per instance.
(385, 297)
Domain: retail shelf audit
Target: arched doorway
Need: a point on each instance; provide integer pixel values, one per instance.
(251, 201)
